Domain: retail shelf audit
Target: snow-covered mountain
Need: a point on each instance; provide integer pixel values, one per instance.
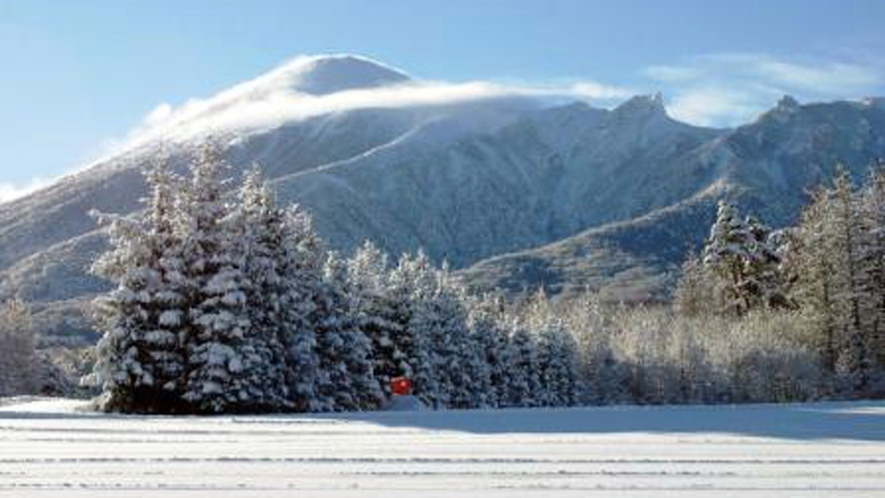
(517, 189)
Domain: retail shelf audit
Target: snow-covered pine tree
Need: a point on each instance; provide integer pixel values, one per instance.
(19, 366)
(412, 290)
(300, 264)
(167, 314)
(257, 227)
(139, 360)
(485, 321)
(457, 358)
(347, 382)
(725, 255)
(557, 355)
(740, 270)
(379, 315)
(524, 383)
(763, 283)
(216, 295)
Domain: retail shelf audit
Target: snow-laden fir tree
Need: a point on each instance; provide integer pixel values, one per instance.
(557, 355)
(346, 379)
(412, 285)
(380, 315)
(257, 226)
(488, 332)
(216, 296)
(456, 358)
(524, 385)
(301, 266)
(19, 366)
(725, 255)
(740, 267)
(139, 360)
(764, 283)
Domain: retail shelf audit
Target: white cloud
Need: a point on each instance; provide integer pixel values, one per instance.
(597, 91)
(716, 106)
(709, 90)
(269, 101)
(731, 89)
(159, 114)
(13, 191)
(826, 78)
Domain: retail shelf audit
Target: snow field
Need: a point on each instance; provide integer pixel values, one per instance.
(47, 448)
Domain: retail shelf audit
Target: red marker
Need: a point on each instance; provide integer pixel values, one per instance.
(401, 386)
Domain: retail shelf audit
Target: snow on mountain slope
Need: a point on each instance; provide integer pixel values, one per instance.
(766, 167)
(538, 179)
(323, 75)
(466, 171)
(633, 261)
(793, 450)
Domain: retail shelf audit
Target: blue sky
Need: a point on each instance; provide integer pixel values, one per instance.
(77, 76)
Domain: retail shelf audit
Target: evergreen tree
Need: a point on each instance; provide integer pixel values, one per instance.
(257, 228)
(412, 289)
(216, 294)
(379, 315)
(300, 262)
(740, 268)
(166, 313)
(347, 381)
(763, 281)
(455, 355)
(724, 255)
(524, 384)
(557, 358)
(488, 333)
(139, 362)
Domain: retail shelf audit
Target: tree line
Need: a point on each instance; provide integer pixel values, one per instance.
(827, 274)
(234, 304)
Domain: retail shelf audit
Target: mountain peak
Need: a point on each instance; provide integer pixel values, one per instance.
(785, 109)
(878, 102)
(651, 103)
(788, 103)
(643, 105)
(326, 74)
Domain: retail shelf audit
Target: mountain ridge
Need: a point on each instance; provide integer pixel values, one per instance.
(515, 191)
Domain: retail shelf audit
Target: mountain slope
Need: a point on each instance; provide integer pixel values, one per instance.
(766, 167)
(515, 190)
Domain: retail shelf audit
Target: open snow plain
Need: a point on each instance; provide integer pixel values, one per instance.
(48, 448)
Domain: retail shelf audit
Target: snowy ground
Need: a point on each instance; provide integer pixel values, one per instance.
(48, 448)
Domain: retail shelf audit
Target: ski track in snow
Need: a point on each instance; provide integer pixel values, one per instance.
(49, 448)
